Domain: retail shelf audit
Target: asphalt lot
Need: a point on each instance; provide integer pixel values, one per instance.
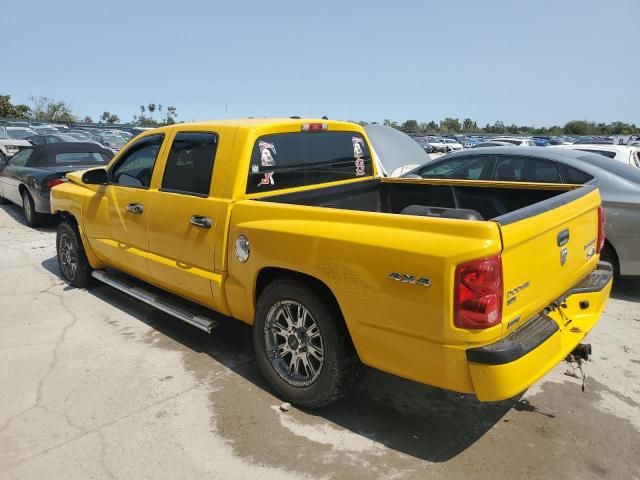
(96, 385)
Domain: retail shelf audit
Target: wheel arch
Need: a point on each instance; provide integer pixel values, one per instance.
(268, 275)
(94, 261)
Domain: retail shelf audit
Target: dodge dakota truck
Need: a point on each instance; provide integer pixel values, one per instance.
(472, 286)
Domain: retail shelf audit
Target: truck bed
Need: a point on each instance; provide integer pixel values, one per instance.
(490, 201)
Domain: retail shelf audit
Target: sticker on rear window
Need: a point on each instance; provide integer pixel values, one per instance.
(358, 152)
(267, 151)
(267, 179)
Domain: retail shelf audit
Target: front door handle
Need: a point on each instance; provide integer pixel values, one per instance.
(135, 208)
(202, 222)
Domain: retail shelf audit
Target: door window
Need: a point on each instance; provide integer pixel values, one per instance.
(573, 175)
(476, 167)
(190, 163)
(526, 169)
(135, 167)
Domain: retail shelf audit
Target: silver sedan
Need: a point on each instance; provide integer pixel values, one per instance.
(619, 186)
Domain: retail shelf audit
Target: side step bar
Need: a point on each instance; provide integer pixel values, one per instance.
(164, 303)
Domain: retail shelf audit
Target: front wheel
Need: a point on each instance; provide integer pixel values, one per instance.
(302, 345)
(72, 260)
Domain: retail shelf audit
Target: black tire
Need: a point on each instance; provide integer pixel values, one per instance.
(71, 252)
(340, 367)
(31, 217)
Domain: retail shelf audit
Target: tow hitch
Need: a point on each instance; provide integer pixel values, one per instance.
(576, 360)
(582, 351)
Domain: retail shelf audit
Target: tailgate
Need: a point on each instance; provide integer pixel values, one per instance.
(547, 249)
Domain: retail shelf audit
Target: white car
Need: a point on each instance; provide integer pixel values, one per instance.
(517, 141)
(19, 133)
(622, 153)
(452, 144)
(45, 129)
(10, 146)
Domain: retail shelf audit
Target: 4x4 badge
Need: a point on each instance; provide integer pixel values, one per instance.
(411, 279)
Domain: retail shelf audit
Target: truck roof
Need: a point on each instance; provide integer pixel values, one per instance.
(259, 123)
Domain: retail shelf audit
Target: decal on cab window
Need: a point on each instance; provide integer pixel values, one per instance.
(267, 151)
(267, 179)
(358, 152)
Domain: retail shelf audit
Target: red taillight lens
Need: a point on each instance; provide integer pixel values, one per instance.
(52, 182)
(478, 293)
(601, 219)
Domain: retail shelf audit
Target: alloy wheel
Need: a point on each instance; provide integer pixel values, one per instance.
(293, 342)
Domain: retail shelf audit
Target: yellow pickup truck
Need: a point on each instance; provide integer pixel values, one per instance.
(476, 287)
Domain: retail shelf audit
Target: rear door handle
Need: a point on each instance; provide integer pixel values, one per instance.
(135, 208)
(563, 237)
(200, 221)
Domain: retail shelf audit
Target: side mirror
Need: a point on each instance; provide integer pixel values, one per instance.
(96, 176)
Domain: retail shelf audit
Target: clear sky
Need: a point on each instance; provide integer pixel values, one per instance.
(541, 63)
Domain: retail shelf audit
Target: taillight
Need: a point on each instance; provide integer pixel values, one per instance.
(52, 182)
(314, 127)
(601, 220)
(478, 293)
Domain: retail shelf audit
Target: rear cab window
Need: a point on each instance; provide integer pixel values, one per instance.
(287, 160)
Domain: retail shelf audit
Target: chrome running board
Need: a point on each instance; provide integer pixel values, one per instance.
(159, 301)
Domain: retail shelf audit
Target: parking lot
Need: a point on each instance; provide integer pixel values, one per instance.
(97, 385)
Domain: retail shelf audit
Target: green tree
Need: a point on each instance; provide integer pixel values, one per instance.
(87, 119)
(51, 110)
(9, 110)
(577, 127)
(450, 125)
(110, 118)
(410, 126)
(390, 123)
(170, 115)
(468, 125)
(432, 126)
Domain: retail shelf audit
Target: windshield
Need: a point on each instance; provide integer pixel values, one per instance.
(394, 148)
(3, 135)
(20, 134)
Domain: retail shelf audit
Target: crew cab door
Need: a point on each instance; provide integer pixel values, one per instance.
(116, 217)
(182, 222)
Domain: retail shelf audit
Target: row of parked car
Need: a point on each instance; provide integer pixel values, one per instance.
(14, 136)
(445, 144)
(628, 153)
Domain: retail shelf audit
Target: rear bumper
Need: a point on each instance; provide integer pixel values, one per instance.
(42, 201)
(506, 368)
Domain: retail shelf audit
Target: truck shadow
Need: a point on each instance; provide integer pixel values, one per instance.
(627, 289)
(424, 422)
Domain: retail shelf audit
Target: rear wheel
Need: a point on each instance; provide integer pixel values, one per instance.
(302, 345)
(72, 259)
(31, 217)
